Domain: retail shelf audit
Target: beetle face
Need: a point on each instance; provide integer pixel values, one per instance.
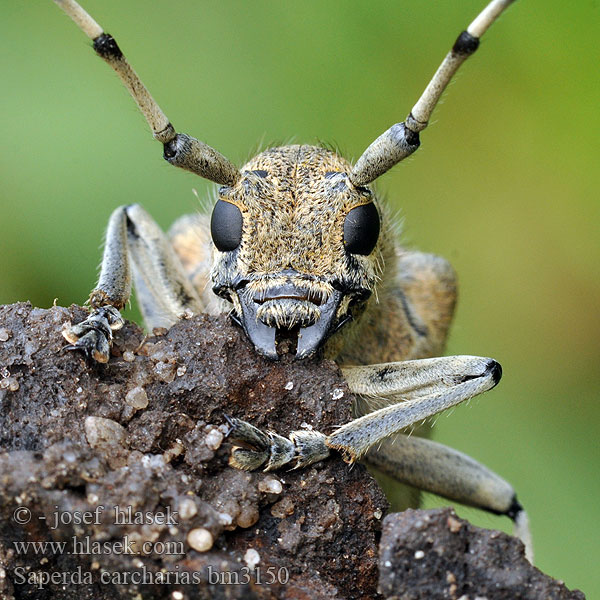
(297, 249)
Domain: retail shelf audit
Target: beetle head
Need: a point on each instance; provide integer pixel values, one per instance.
(297, 248)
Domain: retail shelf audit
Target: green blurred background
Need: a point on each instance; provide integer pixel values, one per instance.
(505, 186)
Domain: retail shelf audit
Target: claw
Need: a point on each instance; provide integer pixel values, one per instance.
(257, 448)
(253, 449)
(247, 435)
(247, 460)
(94, 335)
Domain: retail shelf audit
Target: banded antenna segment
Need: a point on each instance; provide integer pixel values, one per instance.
(180, 150)
(402, 139)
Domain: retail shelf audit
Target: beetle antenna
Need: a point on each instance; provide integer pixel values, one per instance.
(402, 139)
(180, 150)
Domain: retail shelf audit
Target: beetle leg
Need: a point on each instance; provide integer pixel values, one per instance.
(407, 393)
(271, 451)
(436, 468)
(134, 243)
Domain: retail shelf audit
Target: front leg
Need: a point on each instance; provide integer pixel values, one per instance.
(94, 335)
(272, 451)
(405, 394)
(134, 243)
(398, 395)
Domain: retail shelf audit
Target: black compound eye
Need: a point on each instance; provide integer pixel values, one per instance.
(361, 229)
(226, 226)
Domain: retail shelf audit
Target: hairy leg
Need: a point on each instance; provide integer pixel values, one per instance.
(134, 244)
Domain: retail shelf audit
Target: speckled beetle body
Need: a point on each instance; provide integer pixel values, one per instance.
(302, 254)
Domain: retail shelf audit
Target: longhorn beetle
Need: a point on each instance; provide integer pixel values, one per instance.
(300, 250)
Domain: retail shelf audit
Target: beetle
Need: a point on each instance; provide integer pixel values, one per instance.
(300, 251)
